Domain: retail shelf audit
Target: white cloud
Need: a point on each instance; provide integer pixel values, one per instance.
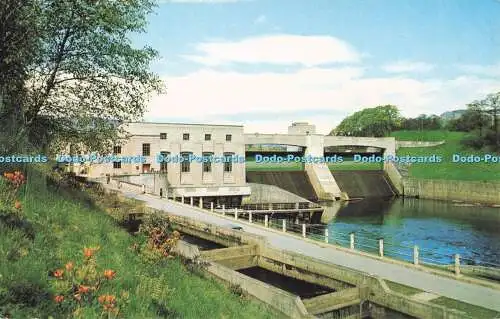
(407, 67)
(281, 49)
(206, 93)
(492, 70)
(260, 19)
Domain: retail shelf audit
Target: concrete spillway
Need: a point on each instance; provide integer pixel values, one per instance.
(296, 182)
(364, 183)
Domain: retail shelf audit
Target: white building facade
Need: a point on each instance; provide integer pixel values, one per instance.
(198, 160)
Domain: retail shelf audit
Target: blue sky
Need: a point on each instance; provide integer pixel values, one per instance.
(266, 63)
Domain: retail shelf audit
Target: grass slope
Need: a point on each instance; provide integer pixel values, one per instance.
(446, 169)
(62, 227)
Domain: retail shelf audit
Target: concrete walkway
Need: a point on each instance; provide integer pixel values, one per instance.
(447, 287)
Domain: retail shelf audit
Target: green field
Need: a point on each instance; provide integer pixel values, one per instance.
(61, 223)
(446, 169)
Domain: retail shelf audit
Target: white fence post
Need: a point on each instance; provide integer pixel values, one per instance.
(223, 209)
(352, 241)
(415, 255)
(284, 225)
(326, 235)
(266, 221)
(143, 188)
(250, 217)
(212, 207)
(381, 247)
(182, 199)
(304, 230)
(192, 201)
(457, 264)
(201, 202)
(236, 213)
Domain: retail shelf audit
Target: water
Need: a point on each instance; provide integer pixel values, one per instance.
(440, 229)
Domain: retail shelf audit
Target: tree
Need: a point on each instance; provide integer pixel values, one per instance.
(378, 121)
(86, 77)
(492, 106)
(18, 45)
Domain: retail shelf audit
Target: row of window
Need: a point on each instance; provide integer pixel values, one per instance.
(186, 165)
(185, 137)
(146, 149)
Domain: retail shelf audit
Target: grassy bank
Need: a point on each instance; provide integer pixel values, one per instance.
(446, 169)
(52, 228)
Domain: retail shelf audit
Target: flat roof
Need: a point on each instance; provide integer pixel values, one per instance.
(193, 124)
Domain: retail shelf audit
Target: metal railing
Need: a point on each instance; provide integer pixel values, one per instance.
(451, 262)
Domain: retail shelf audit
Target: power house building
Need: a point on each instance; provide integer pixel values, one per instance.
(180, 154)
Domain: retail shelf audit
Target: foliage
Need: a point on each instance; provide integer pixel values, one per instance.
(481, 118)
(64, 224)
(377, 122)
(161, 239)
(422, 122)
(80, 286)
(83, 76)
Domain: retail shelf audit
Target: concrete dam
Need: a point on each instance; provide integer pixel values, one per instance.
(296, 182)
(364, 183)
(357, 184)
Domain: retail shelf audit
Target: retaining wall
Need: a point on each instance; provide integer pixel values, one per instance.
(467, 191)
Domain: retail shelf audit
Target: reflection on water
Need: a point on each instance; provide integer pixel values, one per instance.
(440, 229)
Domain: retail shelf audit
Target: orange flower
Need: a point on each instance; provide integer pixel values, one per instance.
(83, 289)
(69, 266)
(107, 300)
(58, 273)
(109, 274)
(58, 298)
(17, 205)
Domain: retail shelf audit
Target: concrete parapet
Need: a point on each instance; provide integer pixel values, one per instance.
(418, 143)
(285, 302)
(332, 301)
(186, 250)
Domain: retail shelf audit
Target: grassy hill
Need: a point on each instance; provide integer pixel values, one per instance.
(446, 169)
(51, 228)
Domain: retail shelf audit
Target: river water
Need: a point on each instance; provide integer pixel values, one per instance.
(440, 229)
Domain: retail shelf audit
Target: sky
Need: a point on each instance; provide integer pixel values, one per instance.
(267, 63)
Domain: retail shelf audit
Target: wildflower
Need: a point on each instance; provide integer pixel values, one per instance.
(109, 274)
(107, 301)
(89, 252)
(69, 266)
(78, 297)
(83, 289)
(58, 298)
(58, 273)
(17, 205)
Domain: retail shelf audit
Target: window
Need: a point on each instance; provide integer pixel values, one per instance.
(185, 164)
(163, 136)
(117, 164)
(208, 137)
(207, 162)
(185, 136)
(117, 150)
(164, 162)
(146, 149)
(228, 162)
(228, 137)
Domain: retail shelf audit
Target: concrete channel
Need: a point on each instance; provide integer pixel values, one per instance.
(296, 285)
